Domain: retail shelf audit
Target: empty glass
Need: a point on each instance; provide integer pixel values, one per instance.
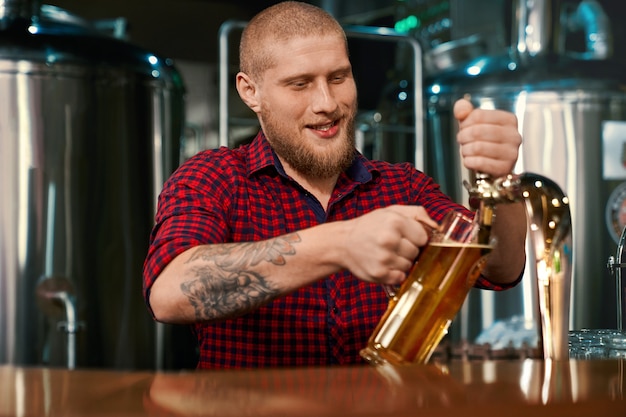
(597, 344)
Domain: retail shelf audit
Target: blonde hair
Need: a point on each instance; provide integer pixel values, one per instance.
(280, 23)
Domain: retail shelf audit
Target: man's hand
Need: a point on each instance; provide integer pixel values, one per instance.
(489, 139)
(381, 246)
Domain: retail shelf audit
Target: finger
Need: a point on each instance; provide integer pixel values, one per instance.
(394, 277)
(419, 225)
(407, 250)
(462, 109)
(489, 116)
(492, 167)
(487, 135)
(426, 221)
(414, 212)
(499, 151)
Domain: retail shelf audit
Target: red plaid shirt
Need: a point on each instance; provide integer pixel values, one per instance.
(243, 194)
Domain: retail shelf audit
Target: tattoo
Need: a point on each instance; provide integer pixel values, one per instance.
(230, 286)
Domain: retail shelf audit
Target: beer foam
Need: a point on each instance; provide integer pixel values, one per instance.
(452, 244)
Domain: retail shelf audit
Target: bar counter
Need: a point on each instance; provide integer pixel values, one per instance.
(460, 388)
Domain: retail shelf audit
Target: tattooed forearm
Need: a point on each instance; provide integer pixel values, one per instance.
(237, 256)
(227, 286)
(228, 295)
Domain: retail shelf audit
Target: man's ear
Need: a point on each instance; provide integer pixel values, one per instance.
(247, 90)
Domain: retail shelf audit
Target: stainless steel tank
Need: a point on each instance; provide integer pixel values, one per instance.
(89, 127)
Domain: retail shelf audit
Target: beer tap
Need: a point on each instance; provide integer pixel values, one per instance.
(549, 223)
(484, 193)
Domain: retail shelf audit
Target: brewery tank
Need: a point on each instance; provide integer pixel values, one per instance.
(571, 110)
(89, 127)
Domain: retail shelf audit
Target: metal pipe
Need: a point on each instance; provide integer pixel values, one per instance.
(223, 34)
(70, 325)
(387, 34)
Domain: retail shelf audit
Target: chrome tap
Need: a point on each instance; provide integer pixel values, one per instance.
(55, 296)
(549, 223)
(616, 265)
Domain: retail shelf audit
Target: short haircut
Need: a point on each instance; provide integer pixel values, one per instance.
(280, 23)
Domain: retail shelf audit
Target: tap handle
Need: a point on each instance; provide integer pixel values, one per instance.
(485, 190)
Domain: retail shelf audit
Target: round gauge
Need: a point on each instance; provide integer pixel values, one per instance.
(615, 214)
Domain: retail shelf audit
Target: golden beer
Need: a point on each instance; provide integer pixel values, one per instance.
(418, 316)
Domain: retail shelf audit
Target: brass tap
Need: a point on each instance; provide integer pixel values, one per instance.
(549, 223)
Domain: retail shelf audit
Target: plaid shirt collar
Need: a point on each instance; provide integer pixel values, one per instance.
(260, 155)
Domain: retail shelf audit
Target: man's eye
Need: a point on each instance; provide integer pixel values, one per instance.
(298, 84)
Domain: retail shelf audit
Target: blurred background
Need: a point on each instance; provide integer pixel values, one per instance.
(102, 100)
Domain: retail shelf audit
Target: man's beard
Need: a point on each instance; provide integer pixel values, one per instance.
(301, 156)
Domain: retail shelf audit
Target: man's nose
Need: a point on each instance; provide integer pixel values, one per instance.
(324, 99)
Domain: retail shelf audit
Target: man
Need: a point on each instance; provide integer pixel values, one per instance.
(275, 251)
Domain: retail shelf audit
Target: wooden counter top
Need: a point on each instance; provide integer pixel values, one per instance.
(486, 388)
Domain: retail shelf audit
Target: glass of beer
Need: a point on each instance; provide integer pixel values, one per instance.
(423, 307)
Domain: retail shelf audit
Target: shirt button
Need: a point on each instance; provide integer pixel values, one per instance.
(335, 310)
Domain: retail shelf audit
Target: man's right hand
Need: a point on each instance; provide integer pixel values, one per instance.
(381, 246)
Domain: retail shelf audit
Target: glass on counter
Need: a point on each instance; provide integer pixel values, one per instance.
(597, 344)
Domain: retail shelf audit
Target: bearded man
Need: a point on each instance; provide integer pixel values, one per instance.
(275, 251)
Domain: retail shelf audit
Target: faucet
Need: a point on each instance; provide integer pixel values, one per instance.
(616, 264)
(549, 223)
(55, 295)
